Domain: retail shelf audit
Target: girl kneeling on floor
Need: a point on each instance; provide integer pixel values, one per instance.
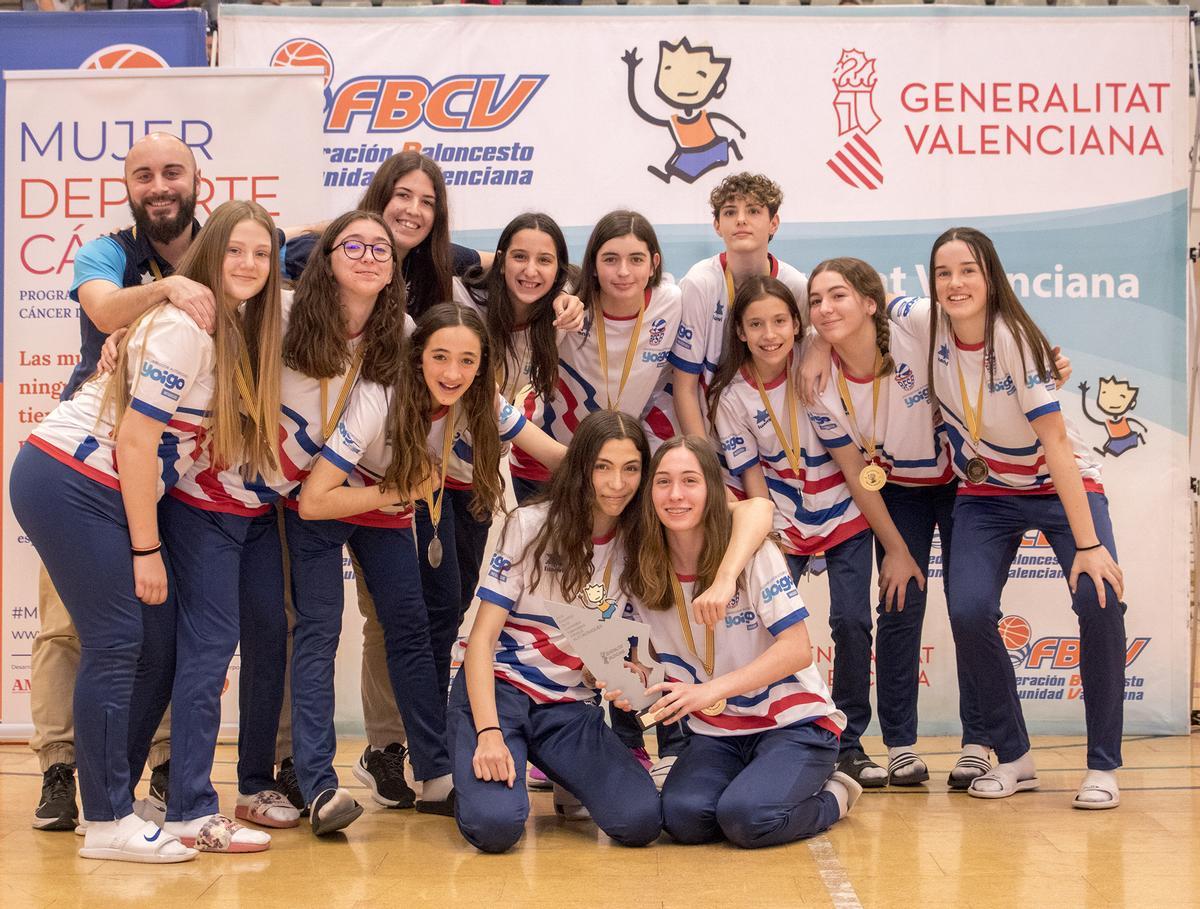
(758, 769)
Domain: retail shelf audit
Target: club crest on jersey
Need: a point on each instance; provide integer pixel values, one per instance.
(658, 331)
(905, 378)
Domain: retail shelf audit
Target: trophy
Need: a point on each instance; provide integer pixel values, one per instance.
(604, 645)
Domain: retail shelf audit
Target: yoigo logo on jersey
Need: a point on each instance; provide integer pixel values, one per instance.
(781, 586)
(746, 619)
(655, 356)
(733, 443)
(171, 382)
(684, 336)
(499, 567)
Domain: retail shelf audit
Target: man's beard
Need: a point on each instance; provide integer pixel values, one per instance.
(164, 231)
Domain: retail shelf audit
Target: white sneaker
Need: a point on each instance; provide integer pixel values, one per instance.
(660, 768)
(567, 807)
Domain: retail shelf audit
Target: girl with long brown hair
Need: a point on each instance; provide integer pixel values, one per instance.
(517, 299)
(1020, 466)
(619, 360)
(96, 525)
(776, 453)
(523, 693)
(759, 767)
(393, 444)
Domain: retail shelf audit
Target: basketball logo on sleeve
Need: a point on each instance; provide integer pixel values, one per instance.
(124, 56)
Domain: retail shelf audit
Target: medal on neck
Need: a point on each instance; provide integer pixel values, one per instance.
(791, 448)
(339, 407)
(872, 477)
(433, 553)
(602, 344)
(977, 468)
(710, 642)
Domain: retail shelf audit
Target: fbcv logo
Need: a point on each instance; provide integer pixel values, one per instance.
(1052, 652)
(392, 103)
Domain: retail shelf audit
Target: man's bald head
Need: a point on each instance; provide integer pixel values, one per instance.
(162, 179)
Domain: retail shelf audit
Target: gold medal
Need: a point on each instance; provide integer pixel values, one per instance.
(714, 709)
(977, 470)
(873, 477)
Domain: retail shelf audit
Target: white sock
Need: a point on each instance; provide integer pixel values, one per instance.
(437, 789)
(1106, 779)
(1014, 771)
(839, 792)
(101, 832)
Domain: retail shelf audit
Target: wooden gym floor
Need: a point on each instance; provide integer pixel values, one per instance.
(921, 848)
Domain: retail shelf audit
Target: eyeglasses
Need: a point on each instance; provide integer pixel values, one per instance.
(380, 252)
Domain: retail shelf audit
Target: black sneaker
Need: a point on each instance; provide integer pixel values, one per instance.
(287, 784)
(383, 773)
(57, 810)
(160, 782)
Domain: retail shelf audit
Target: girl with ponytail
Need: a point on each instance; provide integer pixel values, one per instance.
(876, 420)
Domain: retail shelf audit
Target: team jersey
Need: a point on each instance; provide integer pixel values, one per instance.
(700, 342)
(813, 508)
(532, 654)
(766, 603)
(360, 446)
(170, 373)
(1014, 395)
(910, 448)
(582, 389)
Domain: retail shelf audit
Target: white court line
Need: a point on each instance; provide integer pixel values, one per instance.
(833, 874)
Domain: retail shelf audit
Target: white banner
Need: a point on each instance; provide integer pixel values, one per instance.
(66, 135)
(1062, 133)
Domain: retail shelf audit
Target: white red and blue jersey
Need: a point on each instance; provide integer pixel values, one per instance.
(171, 381)
(1014, 395)
(813, 507)
(361, 448)
(532, 654)
(909, 446)
(766, 604)
(582, 389)
(700, 342)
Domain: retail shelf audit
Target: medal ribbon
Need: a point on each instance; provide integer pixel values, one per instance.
(848, 404)
(629, 353)
(710, 638)
(974, 417)
(339, 406)
(435, 511)
(792, 450)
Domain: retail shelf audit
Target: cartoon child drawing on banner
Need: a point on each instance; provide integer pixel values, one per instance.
(596, 597)
(1115, 398)
(688, 78)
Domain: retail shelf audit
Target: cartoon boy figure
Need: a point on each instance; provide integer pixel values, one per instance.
(1115, 398)
(688, 79)
(595, 597)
